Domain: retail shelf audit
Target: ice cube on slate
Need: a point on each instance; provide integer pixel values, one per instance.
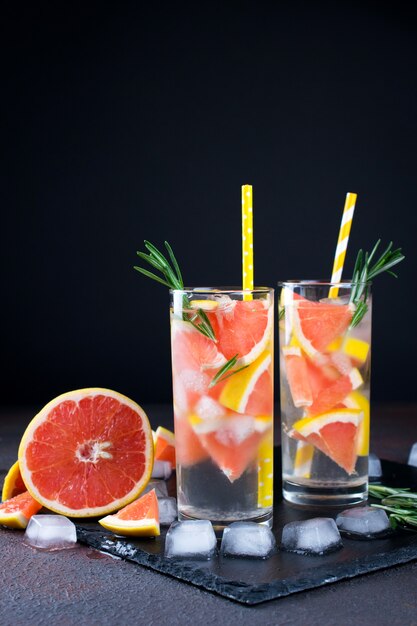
(167, 511)
(160, 487)
(374, 466)
(365, 520)
(247, 539)
(51, 532)
(193, 539)
(412, 459)
(318, 535)
(162, 469)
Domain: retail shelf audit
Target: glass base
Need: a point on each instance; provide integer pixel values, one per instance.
(325, 496)
(219, 524)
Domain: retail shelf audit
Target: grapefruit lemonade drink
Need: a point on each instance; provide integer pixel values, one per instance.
(222, 374)
(325, 393)
(325, 363)
(223, 404)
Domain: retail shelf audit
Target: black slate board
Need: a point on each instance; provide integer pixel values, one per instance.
(252, 581)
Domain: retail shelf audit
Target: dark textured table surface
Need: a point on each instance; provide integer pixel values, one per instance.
(82, 586)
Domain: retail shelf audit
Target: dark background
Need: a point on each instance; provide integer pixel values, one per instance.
(130, 122)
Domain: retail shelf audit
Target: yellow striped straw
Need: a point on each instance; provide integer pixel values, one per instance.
(247, 239)
(342, 242)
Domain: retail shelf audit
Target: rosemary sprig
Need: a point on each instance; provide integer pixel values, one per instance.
(364, 273)
(203, 324)
(224, 372)
(401, 504)
(172, 278)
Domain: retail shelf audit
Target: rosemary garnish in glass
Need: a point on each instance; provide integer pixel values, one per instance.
(364, 273)
(224, 372)
(172, 278)
(401, 504)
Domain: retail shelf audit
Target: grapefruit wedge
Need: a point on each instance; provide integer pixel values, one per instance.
(245, 330)
(317, 324)
(138, 519)
(164, 445)
(16, 512)
(13, 483)
(334, 433)
(88, 452)
(250, 390)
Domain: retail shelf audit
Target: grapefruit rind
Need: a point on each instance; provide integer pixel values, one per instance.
(114, 504)
(357, 400)
(13, 483)
(308, 425)
(125, 523)
(131, 528)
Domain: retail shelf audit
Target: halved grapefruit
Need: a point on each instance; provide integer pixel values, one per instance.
(87, 452)
(13, 483)
(16, 512)
(138, 519)
(333, 433)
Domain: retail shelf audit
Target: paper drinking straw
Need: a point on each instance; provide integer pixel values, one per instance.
(247, 239)
(342, 242)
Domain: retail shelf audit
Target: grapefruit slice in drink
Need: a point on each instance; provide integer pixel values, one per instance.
(357, 400)
(16, 512)
(335, 392)
(297, 376)
(13, 483)
(250, 390)
(244, 329)
(234, 442)
(189, 449)
(138, 519)
(334, 433)
(317, 324)
(88, 452)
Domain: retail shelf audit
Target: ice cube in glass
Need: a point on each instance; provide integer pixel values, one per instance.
(247, 539)
(50, 532)
(374, 466)
(412, 458)
(160, 487)
(315, 536)
(167, 511)
(364, 520)
(193, 539)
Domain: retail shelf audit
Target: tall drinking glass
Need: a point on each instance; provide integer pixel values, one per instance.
(325, 360)
(222, 370)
